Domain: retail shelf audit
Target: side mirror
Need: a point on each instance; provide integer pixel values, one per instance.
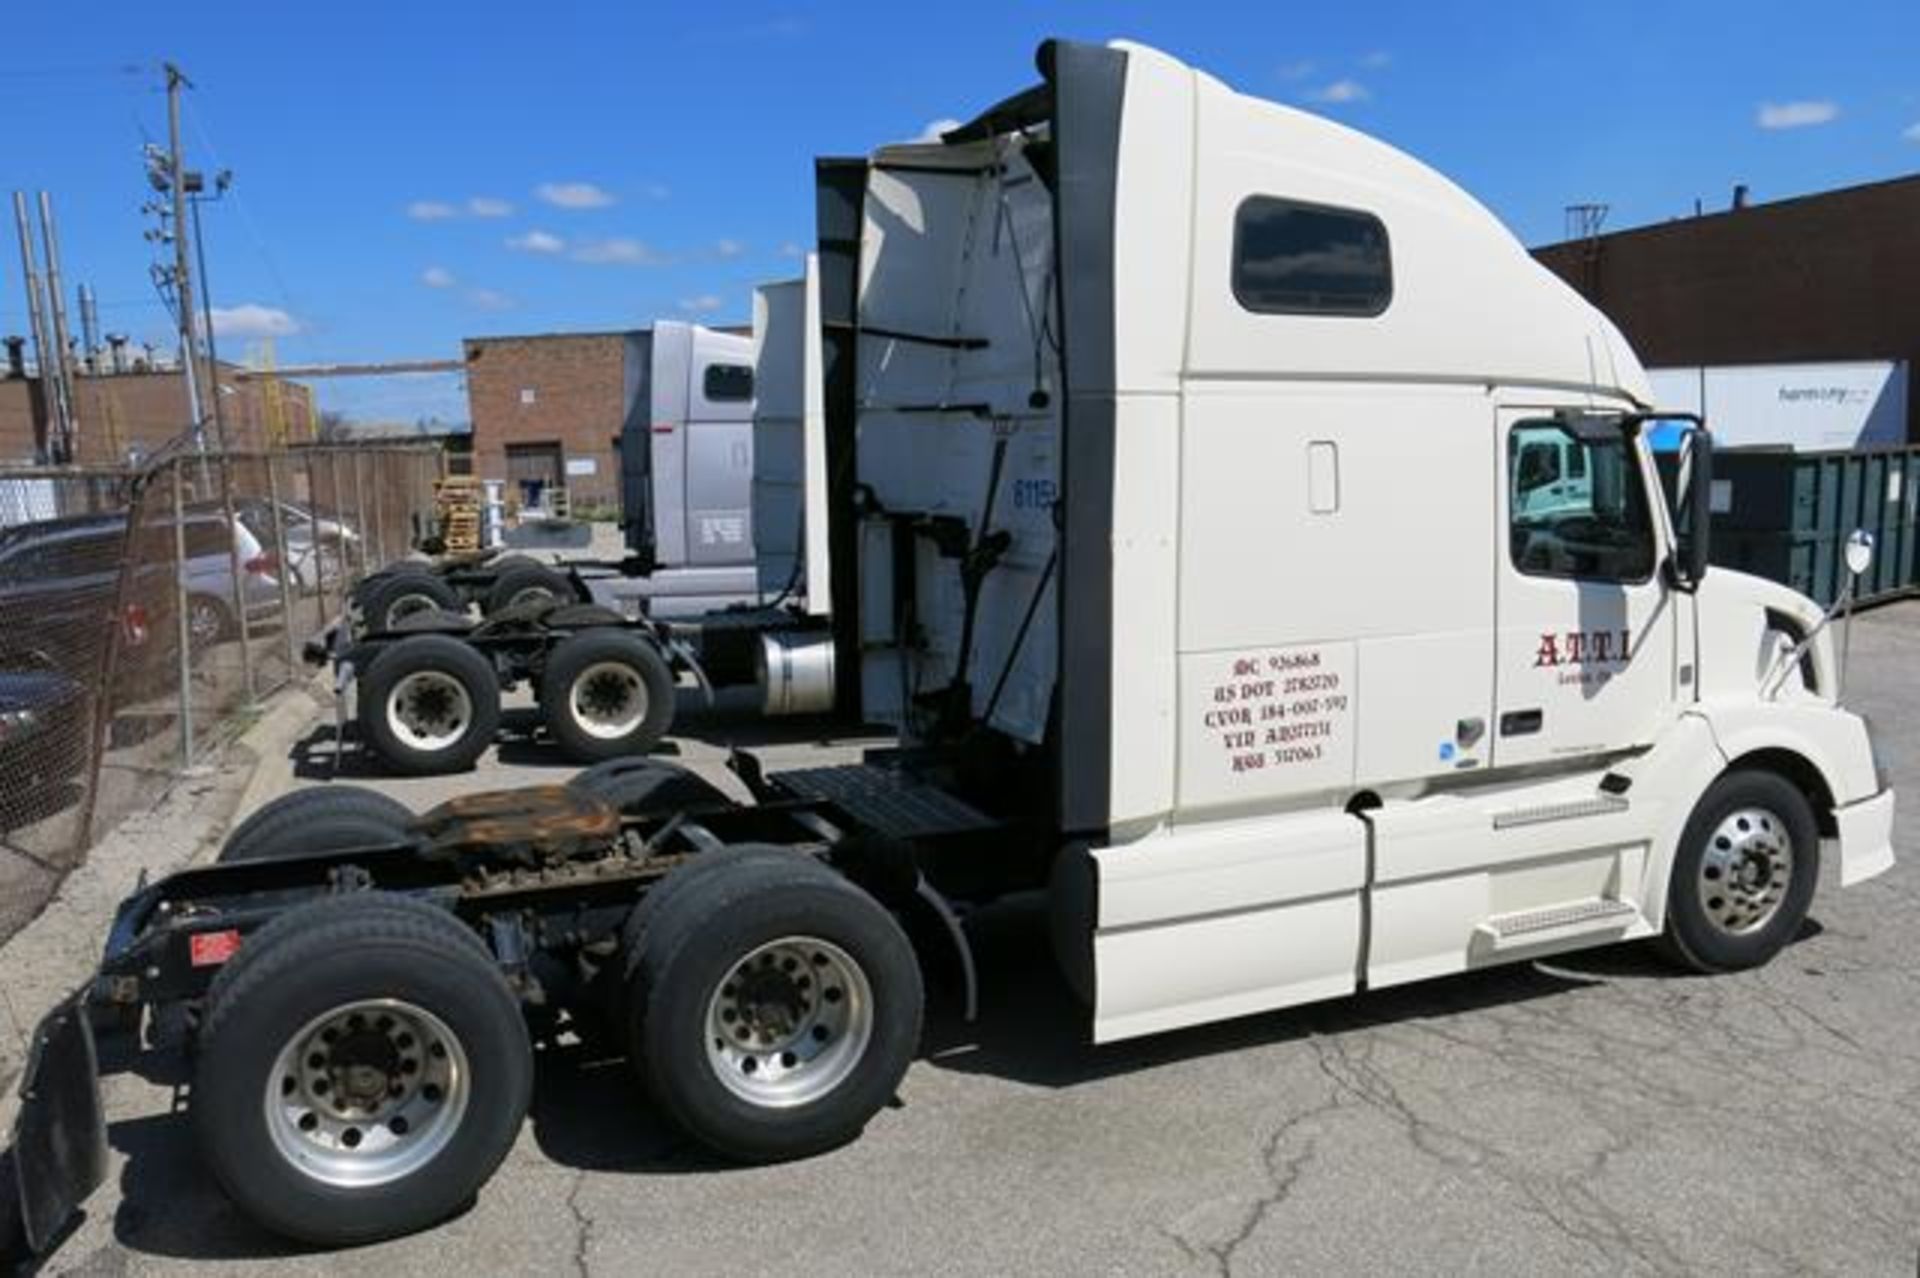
(1699, 505)
(1683, 451)
(1859, 552)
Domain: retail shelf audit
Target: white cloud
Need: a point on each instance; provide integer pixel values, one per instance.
(489, 299)
(488, 206)
(253, 320)
(792, 247)
(1795, 115)
(728, 248)
(431, 211)
(573, 195)
(1911, 133)
(937, 127)
(1377, 59)
(704, 304)
(655, 191)
(1341, 91)
(438, 277)
(1295, 70)
(537, 241)
(618, 251)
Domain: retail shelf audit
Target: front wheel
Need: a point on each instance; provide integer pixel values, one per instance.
(774, 1008)
(363, 1069)
(1743, 875)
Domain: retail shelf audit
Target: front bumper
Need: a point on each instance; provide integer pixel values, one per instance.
(1866, 838)
(60, 1134)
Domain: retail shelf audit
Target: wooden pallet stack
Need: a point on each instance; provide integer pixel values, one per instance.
(456, 501)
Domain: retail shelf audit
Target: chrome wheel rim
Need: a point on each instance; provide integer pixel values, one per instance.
(410, 606)
(367, 1093)
(531, 595)
(1746, 871)
(608, 699)
(203, 622)
(789, 1022)
(429, 710)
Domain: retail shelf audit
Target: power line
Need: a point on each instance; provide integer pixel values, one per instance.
(246, 216)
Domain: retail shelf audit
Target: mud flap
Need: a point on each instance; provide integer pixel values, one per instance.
(60, 1136)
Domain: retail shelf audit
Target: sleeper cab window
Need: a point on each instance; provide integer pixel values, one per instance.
(728, 383)
(1576, 509)
(1291, 258)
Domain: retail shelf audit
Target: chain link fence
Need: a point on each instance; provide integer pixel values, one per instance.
(145, 614)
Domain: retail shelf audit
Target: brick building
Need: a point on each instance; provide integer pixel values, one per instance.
(547, 411)
(116, 413)
(1827, 277)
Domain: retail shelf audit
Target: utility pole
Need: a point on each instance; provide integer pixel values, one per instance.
(221, 181)
(182, 282)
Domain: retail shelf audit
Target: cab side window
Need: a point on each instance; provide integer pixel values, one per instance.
(728, 383)
(1576, 508)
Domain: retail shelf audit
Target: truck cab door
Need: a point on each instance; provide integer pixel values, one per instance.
(719, 452)
(1585, 657)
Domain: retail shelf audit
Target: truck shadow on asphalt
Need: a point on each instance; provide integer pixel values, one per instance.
(589, 1113)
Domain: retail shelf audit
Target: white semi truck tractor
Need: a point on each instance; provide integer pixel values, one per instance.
(1178, 452)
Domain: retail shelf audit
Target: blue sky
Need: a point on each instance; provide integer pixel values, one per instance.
(407, 174)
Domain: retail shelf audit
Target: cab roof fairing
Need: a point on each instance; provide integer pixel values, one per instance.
(1470, 302)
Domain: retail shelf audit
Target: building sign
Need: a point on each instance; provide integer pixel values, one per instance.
(577, 466)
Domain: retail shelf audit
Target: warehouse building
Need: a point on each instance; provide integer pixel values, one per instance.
(1821, 284)
(547, 410)
(135, 411)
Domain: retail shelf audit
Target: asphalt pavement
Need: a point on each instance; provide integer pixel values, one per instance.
(1599, 1113)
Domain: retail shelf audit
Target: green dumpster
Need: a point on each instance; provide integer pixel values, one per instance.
(1786, 516)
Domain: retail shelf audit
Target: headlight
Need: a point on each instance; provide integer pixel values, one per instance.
(12, 721)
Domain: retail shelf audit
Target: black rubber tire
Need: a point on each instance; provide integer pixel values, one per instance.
(529, 577)
(1691, 939)
(448, 656)
(689, 946)
(411, 587)
(317, 957)
(574, 655)
(640, 786)
(321, 818)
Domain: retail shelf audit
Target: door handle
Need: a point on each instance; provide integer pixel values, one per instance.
(1521, 723)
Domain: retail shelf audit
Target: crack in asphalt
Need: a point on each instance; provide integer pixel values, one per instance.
(582, 1224)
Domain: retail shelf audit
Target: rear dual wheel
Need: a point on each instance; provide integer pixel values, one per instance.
(606, 693)
(390, 600)
(772, 1007)
(430, 704)
(321, 818)
(363, 1068)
